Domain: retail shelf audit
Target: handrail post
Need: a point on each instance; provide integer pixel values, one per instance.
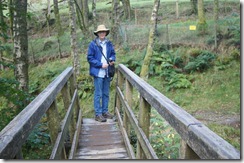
(119, 84)
(129, 99)
(66, 99)
(186, 152)
(144, 123)
(19, 155)
(66, 96)
(63, 153)
(53, 121)
(200, 141)
(73, 86)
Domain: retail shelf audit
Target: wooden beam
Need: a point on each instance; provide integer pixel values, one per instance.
(144, 142)
(59, 144)
(14, 135)
(204, 142)
(76, 136)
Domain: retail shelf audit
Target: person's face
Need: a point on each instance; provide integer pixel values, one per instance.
(102, 35)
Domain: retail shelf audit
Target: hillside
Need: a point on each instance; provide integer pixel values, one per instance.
(213, 96)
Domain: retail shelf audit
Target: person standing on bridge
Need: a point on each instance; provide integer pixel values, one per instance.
(98, 49)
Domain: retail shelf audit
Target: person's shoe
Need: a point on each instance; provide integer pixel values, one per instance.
(107, 115)
(100, 118)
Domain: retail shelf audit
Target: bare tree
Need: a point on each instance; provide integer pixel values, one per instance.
(85, 10)
(73, 42)
(148, 56)
(115, 21)
(3, 31)
(47, 14)
(58, 24)
(127, 9)
(194, 6)
(216, 18)
(177, 9)
(21, 43)
(94, 14)
(11, 15)
(57, 18)
(202, 24)
(80, 17)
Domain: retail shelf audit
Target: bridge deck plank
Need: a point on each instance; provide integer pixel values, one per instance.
(100, 141)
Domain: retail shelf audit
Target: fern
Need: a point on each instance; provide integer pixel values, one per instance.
(200, 63)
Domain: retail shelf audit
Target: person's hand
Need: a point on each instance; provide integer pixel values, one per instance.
(111, 63)
(105, 65)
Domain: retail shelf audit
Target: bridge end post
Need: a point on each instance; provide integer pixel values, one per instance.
(186, 152)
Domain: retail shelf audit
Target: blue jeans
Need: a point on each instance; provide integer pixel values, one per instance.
(101, 95)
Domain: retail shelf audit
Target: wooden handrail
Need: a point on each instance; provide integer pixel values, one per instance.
(204, 142)
(13, 136)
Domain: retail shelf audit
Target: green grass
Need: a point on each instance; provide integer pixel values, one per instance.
(44, 74)
(212, 90)
(215, 90)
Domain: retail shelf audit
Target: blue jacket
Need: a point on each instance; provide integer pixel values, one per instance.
(94, 56)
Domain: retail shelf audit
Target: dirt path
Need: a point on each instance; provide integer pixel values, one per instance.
(211, 117)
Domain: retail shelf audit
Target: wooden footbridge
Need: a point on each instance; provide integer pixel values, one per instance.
(76, 137)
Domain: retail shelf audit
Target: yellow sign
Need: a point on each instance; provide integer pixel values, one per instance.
(192, 27)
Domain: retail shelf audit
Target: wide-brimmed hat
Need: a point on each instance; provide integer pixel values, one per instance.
(101, 28)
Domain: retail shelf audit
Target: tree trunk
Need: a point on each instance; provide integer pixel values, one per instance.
(115, 22)
(194, 6)
(127, 9)
(11, 16)
(21, 43)
(48, 16)
(80, 17)
(1, 60)
(216, 18)
(85, 10)
(177, 9)
(3, 30)
(147, 59)
(201, 25)
(94, 14)
(57, 18)
(73, 42)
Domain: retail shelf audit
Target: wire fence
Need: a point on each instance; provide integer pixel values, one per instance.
(166, 34)
(174, 28)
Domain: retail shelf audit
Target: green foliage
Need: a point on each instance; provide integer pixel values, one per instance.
(13, 99)
(37, 140)
(133, 60)
(159, 47)
(9, 90)
(229, 133)
(169, 66)
(233, 32)
(133, 139)
(178, 81)
(85, 86)
(34, 87)
(202, 28)
(200, 63)
(135, 66)
(164, 139)
(172, 66)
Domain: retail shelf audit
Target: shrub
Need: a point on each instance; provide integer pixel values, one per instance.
(164, 139)
(200, 63)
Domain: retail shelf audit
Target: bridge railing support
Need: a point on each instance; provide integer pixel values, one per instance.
(198, 141)
(14, 135)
